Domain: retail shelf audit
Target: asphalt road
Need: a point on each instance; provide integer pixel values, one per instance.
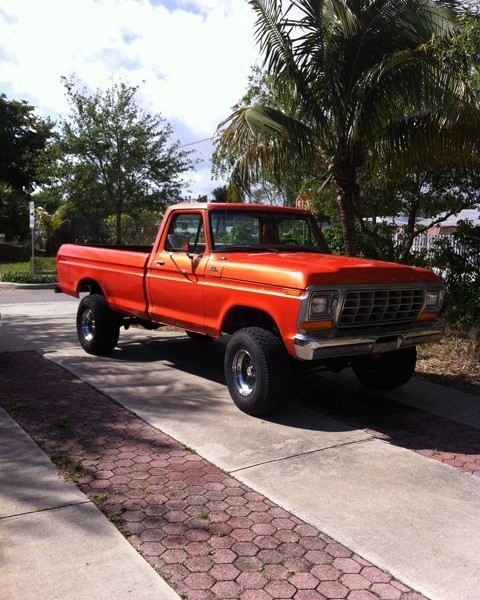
(31, 296)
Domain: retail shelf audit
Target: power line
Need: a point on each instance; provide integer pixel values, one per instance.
(197, 142)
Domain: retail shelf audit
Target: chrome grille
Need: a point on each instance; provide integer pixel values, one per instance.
(366, 307)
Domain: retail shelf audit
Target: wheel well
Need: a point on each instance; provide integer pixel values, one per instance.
(245, 316)
(89, 285)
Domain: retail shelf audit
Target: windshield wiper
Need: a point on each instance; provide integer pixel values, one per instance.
(248, 248)
(315, 249)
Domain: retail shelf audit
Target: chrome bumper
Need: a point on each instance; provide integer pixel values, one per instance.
(309, 347)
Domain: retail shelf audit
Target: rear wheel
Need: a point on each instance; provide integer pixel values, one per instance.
(98, 328)
(386, 371)
(257, 370)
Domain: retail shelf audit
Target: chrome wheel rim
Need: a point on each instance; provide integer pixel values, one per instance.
(87, 325)
(243, 370)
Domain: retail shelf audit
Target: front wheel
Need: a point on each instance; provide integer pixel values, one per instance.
(257, 370)
(98, 328)
(386, 371)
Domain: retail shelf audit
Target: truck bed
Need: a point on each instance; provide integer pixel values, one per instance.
(120, 269)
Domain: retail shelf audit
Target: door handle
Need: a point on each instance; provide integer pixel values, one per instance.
(160, 262)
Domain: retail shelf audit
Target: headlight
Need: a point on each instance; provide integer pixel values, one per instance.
(434, 299)
(323, 305)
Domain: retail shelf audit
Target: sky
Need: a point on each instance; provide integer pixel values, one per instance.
(191, 59)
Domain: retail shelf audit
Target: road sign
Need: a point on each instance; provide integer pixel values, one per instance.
(32, 214)
(303, 202)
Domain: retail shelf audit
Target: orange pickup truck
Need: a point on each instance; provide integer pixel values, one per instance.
(263, 276)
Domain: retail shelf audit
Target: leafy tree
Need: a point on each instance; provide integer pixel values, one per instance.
(459, 264)
(113, 157)
(220, 194)
(465, 49)
(23, 138)
(13, 213)
(360, 81)
(23, 135)
(138, 230)
(415, 202)
(267, 192)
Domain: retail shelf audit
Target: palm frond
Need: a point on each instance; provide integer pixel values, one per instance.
(426, 141)
(263, 143)
(281, 38)
(272, 34)
(407, 84)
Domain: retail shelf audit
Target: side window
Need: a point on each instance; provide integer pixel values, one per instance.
(186, 234)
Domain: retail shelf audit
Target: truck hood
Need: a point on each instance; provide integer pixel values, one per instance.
(302, 269)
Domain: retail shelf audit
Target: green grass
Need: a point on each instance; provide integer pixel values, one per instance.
(21, 272)
(41, 264)
(21, 267)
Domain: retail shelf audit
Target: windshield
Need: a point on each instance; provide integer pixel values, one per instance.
(245, 230)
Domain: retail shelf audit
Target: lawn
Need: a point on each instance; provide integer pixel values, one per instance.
(41, 264)
(21, 272)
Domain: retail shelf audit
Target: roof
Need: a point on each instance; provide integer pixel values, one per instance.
(229, 206)
(468, 214)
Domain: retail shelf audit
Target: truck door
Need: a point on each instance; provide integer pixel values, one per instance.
(175, 275)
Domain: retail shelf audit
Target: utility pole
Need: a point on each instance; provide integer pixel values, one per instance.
(32, 228)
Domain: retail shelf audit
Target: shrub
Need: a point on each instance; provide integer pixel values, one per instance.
(459, 265)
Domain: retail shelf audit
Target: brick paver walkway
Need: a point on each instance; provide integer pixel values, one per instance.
(455, 444)
(206, 533)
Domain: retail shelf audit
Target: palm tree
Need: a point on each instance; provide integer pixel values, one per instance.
(360, 80)
(48, 225)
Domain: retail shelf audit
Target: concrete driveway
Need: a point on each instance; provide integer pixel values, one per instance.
(410, 515)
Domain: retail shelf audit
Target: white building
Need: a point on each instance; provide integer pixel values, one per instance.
(443, 229)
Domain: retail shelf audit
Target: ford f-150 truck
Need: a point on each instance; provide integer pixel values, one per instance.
(261, 276)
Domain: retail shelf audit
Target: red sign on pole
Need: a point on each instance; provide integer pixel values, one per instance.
(303, 202)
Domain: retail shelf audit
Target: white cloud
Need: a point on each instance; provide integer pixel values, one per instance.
(191, 57)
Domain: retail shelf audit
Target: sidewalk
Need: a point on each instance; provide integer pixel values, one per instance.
(210, 535)
(55, 543)
(266, 521)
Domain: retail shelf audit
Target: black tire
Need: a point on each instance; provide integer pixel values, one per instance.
(257, 370)
(98, 328)
(387, 371)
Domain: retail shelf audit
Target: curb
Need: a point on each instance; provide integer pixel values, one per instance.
(8, 285)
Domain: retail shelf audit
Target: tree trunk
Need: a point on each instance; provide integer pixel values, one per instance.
(118, 220)
(118, 224)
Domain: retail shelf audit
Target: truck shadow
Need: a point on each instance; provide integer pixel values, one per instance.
(203, 359)
(389, 419)
(344, 406)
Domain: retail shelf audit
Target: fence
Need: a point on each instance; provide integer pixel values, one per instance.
(425, 243)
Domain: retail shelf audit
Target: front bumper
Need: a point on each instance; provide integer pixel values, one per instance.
(312, 347)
